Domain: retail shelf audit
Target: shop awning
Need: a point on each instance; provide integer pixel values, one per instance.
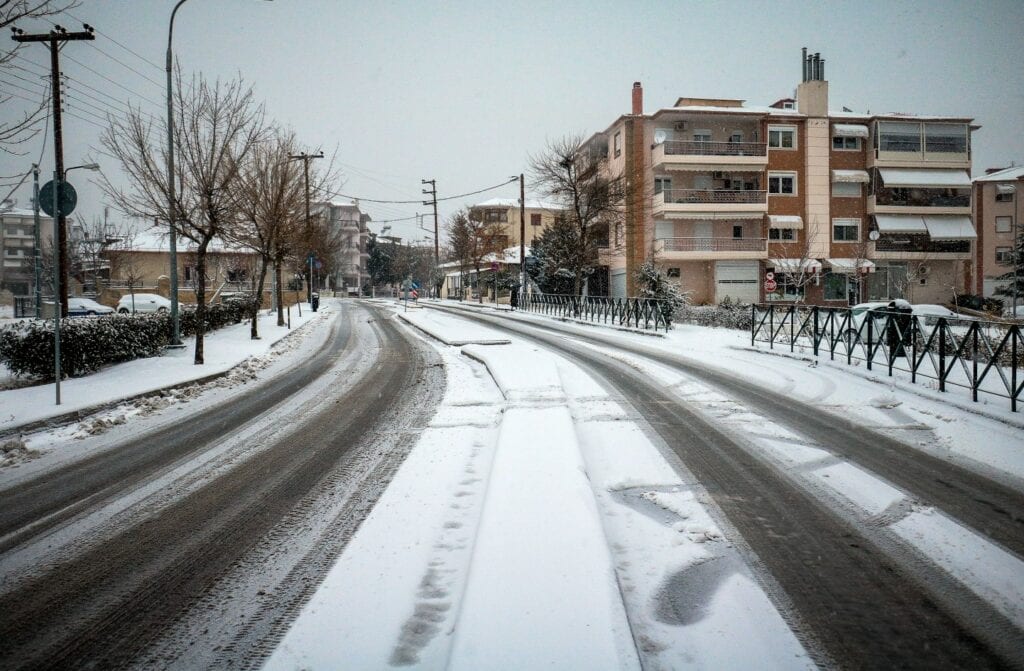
(785, 221)
(848, 266)
(795, 266)
(708, 216)
(900, 223)
(849, 130)
(927, 178)
(1006, 188)
(949, 227)
(858, 176)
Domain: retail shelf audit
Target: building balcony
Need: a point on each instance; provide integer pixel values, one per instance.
(700, 248)
(882, 204)
(684, 201)
(714, 155)
(918, 246)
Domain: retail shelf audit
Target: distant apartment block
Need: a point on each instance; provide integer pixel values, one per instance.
(839, 206)
(505, 211)
(17, 248)
(999, 215)
(348, 270)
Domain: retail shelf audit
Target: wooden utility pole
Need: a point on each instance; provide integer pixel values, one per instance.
(522, 235)
(432, 192)
(54, 38)
(306, 158)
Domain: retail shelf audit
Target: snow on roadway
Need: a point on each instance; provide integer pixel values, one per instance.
(535, 526)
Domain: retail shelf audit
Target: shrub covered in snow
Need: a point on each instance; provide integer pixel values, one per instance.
(86, 345)
(726, 315)
(652, 283)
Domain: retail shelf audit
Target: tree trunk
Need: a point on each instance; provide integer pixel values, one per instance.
(280, 292)
(257, 301)
(200, 299)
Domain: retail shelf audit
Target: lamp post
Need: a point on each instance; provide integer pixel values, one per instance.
(172, 233)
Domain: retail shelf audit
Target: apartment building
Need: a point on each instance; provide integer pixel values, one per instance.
(828, 207)
(505, 211)
(349, 222)
(17, 246)
(999, 215)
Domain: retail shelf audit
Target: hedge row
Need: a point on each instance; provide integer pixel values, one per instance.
(88, 344)
(727, 315)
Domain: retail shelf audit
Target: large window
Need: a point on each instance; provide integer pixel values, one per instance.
(846, 189)
(893, 136)
(949, 138)
(1004, 224)
(846, 143)
(781, 234)
(534, 219)
(702, 135)
(887, 282)
(845, 230)
(1004, 256)
(617, 144)
(1004, 197)
(782, 137)
(834, 286)
(782, 183)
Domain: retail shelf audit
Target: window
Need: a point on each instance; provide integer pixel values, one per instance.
(782, 183)
(662, 184)
(845, 230)
(1004, 197)
(782, 137)
(946, 138)
(534, 220)
(781, 234)
(1004, 224)
(846, 190)
(701, 135)
(494, 215)
(737, 136)
(894, 136)
(673, 273)
(1004, 256)
(617, 144)
(737, 231)
(835, 286)
(846, 143)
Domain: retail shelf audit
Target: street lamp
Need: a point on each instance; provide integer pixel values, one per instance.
(172, 234)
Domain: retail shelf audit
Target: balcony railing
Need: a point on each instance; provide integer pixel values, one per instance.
(921, 243)
(677, 147)
(714, 197)
(713, 244)
(920, 198)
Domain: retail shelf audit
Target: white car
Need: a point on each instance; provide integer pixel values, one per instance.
(142, 303)
(86, 307)
(1009, 314)
(927, 317)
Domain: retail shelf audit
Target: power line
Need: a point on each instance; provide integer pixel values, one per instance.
(108, 37)
(420, 202)
(103, 76)
(126, 66)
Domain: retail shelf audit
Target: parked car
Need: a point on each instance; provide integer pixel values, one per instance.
(927, 317)
(79, 306)
(1008, 313)
(142, 303)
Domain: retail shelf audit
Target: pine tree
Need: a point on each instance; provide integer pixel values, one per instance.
(1015, 278)
(652, 283)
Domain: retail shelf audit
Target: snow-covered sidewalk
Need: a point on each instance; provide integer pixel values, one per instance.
(223, 350)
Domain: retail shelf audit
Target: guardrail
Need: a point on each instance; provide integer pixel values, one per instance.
(985, 357)
(642, 313)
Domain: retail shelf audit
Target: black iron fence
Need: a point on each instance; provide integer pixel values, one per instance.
(642, 313)
(24, 306)
(984, 357)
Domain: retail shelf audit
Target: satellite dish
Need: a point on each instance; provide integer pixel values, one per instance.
(874, 235)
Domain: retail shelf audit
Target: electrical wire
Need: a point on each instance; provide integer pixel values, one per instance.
(126, 66)
(103, 76)
(421, 201)
(108, 37)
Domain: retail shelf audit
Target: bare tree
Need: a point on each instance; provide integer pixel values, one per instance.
(219, 124)
(17, 128)
(592, 198)
(473, 238)
(125, 263)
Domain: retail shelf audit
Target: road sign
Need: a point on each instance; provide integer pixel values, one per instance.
(415, 285)
(770, 285)
(769, 275)
(67, 198)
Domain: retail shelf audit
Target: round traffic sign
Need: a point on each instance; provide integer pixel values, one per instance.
(770, 285)
(67, 198)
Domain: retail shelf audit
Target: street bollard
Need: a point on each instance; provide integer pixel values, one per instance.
(289, 317)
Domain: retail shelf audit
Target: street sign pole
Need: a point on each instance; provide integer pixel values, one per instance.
(56, 283)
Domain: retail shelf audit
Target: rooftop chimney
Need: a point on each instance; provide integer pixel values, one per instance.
(812, 94)
(638, 98)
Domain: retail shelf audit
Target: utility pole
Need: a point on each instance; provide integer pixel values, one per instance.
(37, 256)
(432, 192)
(522, 238)
(306, 158)
(55, 37)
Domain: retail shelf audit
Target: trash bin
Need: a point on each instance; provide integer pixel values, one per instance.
(897, 332)
(315, 301)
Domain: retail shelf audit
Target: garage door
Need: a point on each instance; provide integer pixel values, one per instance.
(618, 283)
(737, 280)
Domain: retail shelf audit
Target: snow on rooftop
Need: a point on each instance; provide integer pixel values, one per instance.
(154, 239)
(514, 202)
(22, 212)
(1012, 173)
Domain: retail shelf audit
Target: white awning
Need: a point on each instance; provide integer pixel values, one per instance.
(1006, 188)
(928, 178)
(849, 130)
(949, 227)
(848, 266)
(795, 266)
(716, 167)
(858, 176)
(718, 216)
(900, 223)
(785, 221)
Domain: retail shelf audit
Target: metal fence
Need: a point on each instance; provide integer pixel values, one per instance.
(642, 313)
(984, 357)
(24, 306)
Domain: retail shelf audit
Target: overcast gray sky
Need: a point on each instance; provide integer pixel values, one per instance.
(464, 92)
